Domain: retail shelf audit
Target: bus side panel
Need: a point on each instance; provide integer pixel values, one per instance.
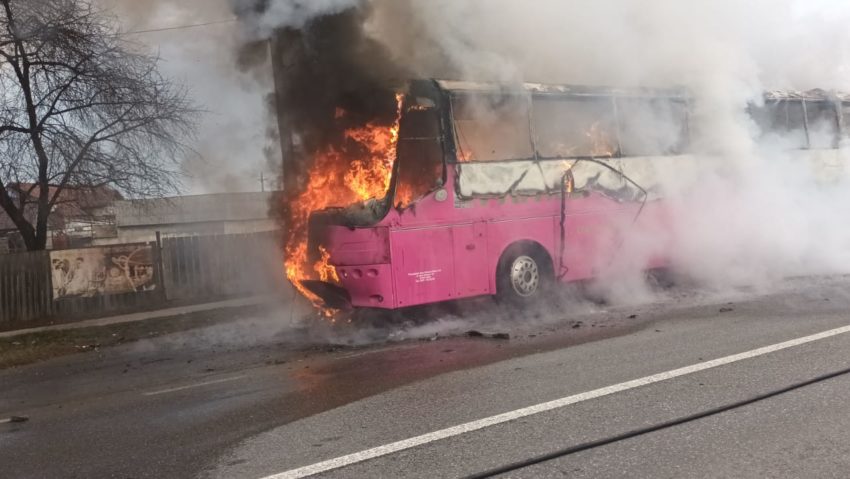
(655, 233)
(470, 255)
(502, 234)
(423, 266)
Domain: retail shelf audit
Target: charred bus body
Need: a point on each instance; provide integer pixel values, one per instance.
(503, 190)
(498, 190)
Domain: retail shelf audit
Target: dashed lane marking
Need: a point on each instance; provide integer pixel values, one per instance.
(189, 386)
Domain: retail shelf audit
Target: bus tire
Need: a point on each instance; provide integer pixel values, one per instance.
(525, 275)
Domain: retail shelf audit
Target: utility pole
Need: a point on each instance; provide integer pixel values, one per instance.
(262, 183)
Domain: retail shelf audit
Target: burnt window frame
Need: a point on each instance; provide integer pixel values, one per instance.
(844, 120)
(451, 132)
(833, 106)
(685, 141)
(455, 131)
(837, 108)
(617, 143)
(431, 91)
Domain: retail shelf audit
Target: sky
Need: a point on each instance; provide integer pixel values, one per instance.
(230, 146)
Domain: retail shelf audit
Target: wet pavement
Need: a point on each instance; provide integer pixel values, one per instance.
(180, 405)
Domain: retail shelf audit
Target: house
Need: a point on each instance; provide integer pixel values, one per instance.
(76, 212)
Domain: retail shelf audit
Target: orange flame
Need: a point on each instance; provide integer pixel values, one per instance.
(339, 176)
(323, 267)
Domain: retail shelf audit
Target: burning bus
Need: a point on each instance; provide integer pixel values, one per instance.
(481, 189)
(492, 191)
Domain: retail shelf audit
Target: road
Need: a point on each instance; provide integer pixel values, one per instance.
(265, 397)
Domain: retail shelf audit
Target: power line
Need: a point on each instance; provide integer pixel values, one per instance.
(179, 27)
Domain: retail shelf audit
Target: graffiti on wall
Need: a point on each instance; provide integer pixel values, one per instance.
(105, 270)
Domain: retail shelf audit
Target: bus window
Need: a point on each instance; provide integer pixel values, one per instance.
(652, 126)
(782, 122)
(492, 127)
(420, 155)
(845, 107)
(823, 124)
(574, 127)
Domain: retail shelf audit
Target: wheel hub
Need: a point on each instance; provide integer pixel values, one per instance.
(525, 276)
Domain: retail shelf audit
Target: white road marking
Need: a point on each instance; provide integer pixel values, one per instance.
(189, 386)
(412, 442)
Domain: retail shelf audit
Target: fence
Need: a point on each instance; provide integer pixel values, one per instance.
(200, 267)
(41, 285)
(25, 292)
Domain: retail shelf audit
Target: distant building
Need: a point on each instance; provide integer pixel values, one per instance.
(222, 213)
(93, 217)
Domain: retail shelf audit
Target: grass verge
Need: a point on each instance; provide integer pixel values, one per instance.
(33, 347)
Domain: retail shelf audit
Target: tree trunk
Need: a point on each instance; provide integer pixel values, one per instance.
(40, 238)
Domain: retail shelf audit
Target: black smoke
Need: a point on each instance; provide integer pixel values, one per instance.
(330, 76)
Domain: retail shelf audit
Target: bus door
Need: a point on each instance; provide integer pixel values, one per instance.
(599, 210)
(469, 249)
(423, 266)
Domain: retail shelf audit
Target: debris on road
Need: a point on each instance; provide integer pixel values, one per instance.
(15, 419)
(727, 310)
(478, 334)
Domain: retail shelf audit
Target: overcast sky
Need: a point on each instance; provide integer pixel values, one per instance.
(231, 137)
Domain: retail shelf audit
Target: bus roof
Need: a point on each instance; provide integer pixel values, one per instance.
(813, 95)
(456, 86)
(461, 86)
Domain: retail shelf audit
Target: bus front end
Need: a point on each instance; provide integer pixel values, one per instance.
(357, 260)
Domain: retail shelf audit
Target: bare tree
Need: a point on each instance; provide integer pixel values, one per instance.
(80, 107)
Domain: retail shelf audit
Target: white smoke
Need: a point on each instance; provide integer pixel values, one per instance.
(232, 145)
(755, 212)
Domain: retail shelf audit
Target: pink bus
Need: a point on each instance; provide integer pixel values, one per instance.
(505, 191)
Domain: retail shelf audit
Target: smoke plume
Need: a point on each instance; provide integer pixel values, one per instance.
(751, 212)
(234, 144)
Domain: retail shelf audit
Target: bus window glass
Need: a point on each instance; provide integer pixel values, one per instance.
(823, 124)
(492, 127)
(420, 155)
(782, 123)
(574, 127)
(652, 126)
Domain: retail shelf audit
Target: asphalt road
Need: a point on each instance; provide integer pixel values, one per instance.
(264, 397)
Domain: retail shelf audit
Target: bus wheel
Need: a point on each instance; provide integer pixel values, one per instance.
(525, 274)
